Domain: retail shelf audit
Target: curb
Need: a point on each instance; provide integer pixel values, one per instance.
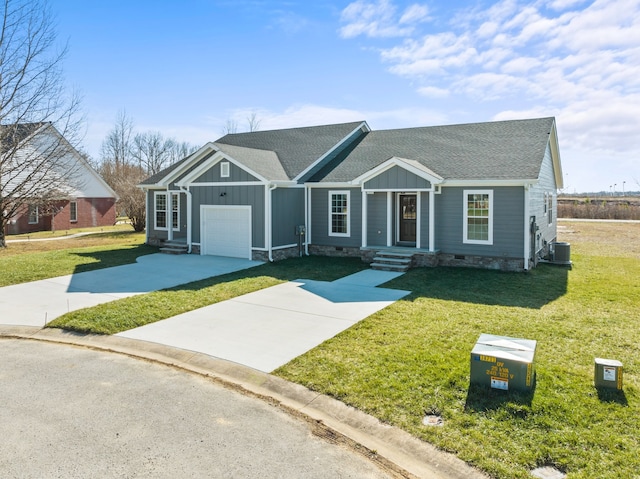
(395, 450)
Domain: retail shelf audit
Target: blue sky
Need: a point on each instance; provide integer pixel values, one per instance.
(186, 67)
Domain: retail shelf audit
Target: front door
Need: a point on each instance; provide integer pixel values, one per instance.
(408, 218)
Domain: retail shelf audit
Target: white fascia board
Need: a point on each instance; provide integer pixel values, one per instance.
(331, 185)
(555, 156)
(486, 183)
(193, 158)
(362, 126)
(409, 165)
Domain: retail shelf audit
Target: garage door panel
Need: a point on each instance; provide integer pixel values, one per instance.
(226, 231)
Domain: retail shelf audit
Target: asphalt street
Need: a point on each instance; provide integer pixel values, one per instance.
(70, 412)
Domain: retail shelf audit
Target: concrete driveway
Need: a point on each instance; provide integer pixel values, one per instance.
(262, 330)
(270, 327)
(38, 302)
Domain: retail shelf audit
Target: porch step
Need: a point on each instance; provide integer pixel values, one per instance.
(390, 261)
(174, 247)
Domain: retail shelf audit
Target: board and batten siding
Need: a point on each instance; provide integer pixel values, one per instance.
(424, 221)
(377, 219)
(508, 223)
(320, 218)
(396, 178)
(236, 175)
(546, 184)
(252, 195)
(287, 206)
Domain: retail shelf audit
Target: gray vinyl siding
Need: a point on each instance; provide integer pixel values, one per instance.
(546, 184)
(508, 223)
(236, 174)
(377, 219)
(396, 178)
(320, 218)
(234, 195)
(287, 213)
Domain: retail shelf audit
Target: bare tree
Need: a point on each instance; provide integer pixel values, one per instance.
(117, 147)
(39, 121)
(230, 127)
(125, 179)
(129, 157)
(253, 122)
(152, 151)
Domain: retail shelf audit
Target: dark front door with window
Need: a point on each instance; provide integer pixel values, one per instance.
(408, 218)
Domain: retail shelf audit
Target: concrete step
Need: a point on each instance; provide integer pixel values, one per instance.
(391, 259)
(397, 268)
(174, 247)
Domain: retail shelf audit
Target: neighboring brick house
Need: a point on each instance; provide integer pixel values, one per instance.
(88, 202)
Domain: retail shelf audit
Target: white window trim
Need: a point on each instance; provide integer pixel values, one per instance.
(224, 169)
(155, 210)
(37, 214)
(465, 224)
(73, 219)
(177, 197)
(168, 211)
(348, 214)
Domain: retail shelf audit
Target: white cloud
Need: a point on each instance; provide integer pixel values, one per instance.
(433, 92)
(380, 19)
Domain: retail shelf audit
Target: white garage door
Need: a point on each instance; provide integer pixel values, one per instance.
(226, 231)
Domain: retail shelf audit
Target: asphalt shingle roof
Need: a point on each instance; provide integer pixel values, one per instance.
(297, 148)
(500, 150)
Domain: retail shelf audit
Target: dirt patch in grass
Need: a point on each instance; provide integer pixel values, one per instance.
(601, 238)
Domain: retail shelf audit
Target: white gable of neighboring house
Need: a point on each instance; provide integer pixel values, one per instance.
(84, 181)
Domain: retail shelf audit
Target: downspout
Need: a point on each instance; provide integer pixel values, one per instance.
(269, 222)
(527, 226)
(187, 192)
(307, 218)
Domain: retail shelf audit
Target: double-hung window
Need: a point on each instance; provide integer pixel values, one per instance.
(550, 207)
(167, 205)
(339, 203)
(160, 205)
(34, 214)
(478, 217)
(73, 211)
(175, 212)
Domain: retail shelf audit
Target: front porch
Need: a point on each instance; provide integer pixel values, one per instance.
(398, 258)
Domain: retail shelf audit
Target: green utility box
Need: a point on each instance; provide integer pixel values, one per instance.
(608, 374)
(500, 362)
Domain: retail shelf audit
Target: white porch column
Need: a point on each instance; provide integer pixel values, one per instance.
(170, 214)
(364, 219)
(432, 226)
(418, 218)
(389, 218)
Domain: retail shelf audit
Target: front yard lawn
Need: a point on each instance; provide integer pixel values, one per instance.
(35, 260)
(412, 358)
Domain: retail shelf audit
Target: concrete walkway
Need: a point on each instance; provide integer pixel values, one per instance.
(270, 327)
(38, 302)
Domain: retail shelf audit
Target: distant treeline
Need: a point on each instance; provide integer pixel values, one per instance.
(601, 208)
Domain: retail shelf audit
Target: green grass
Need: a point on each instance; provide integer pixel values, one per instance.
(23, 262)
(413, 358)
(128, 313)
